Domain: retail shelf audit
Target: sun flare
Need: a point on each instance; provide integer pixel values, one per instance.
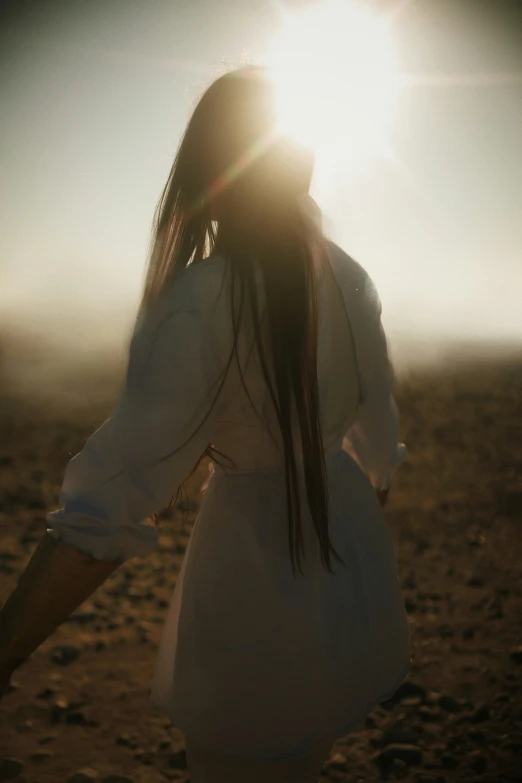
(336, 78)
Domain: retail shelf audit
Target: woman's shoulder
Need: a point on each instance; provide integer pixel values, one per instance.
(196, 286)
(354, 278)
(344, 263)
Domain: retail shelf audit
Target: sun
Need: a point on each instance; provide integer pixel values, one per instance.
(336, 78)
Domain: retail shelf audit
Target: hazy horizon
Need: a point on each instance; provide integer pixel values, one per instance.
(97, 98)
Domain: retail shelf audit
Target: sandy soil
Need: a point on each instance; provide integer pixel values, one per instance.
(455, 512)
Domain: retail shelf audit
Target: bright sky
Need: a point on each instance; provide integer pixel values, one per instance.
(95, 97)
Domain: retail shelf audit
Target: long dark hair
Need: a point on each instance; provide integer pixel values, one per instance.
(233, 190)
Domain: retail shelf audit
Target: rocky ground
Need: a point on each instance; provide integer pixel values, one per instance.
(78, 710)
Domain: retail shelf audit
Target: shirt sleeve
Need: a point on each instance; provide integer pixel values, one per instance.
(133, 464)
(372, 440)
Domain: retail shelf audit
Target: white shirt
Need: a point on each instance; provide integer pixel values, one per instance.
(253, 662)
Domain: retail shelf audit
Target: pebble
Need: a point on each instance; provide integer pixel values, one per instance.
(338, 761)
(410, 754)
(85, 775)
(406, 690)
(399, 736)
(429, 714)
(10, 768)
(83, 617)
(65, 654)
(411, 701)
(58, 710)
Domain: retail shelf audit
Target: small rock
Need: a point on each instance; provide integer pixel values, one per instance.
(449, 761)
(65, 654)
(100, 645)
(449, 703)
(429, 715)
(10, 768)
(83, 617)
(85, 775)
(410, 754)
(411, 701)
(165, 745)
(399, 736)
(40, 756)
(406, 690)
(123, 739)
(338, 761)
(58, 710)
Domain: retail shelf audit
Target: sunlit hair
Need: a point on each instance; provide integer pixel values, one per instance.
(232, 158)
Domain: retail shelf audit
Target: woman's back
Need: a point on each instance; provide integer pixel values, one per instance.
(240, 432)
(254, 661)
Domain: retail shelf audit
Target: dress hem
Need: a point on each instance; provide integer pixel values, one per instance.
(352, 725)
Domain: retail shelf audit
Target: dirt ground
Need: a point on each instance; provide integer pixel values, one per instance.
(455, 511)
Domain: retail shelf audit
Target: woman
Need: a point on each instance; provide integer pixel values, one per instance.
(260, 341)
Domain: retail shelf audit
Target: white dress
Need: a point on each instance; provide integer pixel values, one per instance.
(254, 662)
